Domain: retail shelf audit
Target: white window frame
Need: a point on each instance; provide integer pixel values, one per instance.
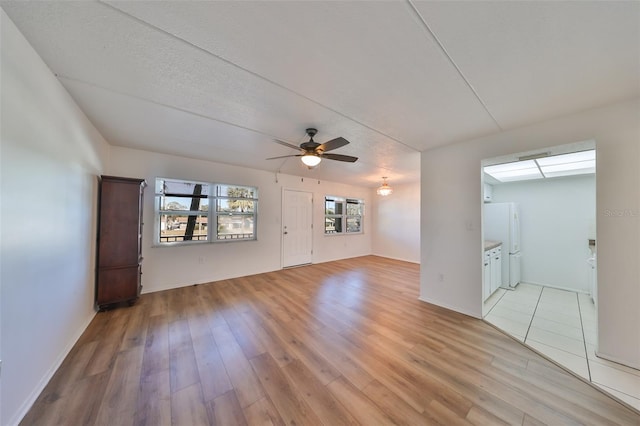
(343, 216)
(212, 214)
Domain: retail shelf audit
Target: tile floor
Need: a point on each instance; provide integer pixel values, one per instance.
(561, 325)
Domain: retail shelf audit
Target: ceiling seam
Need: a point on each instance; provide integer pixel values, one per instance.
(186, 111)
(446, 53)
(227, 61)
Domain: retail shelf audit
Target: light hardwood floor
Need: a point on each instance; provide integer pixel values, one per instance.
(343, 342)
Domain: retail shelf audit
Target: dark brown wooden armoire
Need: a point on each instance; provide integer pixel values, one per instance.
(119, 241)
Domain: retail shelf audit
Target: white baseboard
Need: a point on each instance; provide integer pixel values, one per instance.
(617, 360)
(28, 403)
(451, 307)
(417, 262)
(555, 286)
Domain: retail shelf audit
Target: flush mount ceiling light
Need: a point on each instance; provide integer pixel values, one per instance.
(384, 189)
(575, 163)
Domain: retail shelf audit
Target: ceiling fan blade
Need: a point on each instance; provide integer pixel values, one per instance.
(284, 156)
(287, 144)
(339, 157)
(333, 144)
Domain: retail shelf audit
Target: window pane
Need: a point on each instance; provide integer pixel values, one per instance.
(332, 225)
(354, 208)
(332, 206)
(184, 203)
(329, 207)
(354, 224)
(234, 191)
(235, 227)
(172, 187)
(236, 206)
(183, 228)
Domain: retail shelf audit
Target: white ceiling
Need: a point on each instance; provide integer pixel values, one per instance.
(219, 80)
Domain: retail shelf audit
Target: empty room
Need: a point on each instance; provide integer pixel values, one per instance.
(265, 212)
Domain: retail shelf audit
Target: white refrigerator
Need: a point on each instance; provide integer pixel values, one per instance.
(502, 223)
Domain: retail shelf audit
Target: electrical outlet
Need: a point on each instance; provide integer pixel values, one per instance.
(440, 278)
(201, 260)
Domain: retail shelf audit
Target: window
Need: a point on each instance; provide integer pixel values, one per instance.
(355, 210)
(343, 215)
(235, 212)
(186, 209)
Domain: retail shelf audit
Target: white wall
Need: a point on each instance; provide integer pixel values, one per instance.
(50, 156)
(396, 228)
(169, 267)
(451, 213)
(557, 218)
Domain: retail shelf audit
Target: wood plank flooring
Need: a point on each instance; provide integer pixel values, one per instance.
(343, 342)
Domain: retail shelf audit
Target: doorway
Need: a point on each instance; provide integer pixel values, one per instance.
(551, 304)
(297, 228)
(539, 211)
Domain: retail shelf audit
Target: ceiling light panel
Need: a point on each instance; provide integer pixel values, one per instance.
(573, 157)
(580, 165)
(518, 170)
(570, 169)
(575, 163)
(513, 175)
(565, 172)
(506, 167)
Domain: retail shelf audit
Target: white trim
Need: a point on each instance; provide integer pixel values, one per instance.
(417, 262)
(450, 307)
(617, 360)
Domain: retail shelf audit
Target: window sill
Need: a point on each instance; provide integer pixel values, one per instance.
(194, 243)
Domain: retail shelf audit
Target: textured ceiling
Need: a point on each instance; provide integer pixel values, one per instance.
(219, 80)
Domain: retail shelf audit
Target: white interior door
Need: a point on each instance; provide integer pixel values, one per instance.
(297, 228)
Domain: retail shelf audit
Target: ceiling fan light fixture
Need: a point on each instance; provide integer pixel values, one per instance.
(384, 189)
(312, 152)
(311, 160)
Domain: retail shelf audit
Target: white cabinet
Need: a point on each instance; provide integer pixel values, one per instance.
(486, 291)
(492, 271)
(496, 268)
